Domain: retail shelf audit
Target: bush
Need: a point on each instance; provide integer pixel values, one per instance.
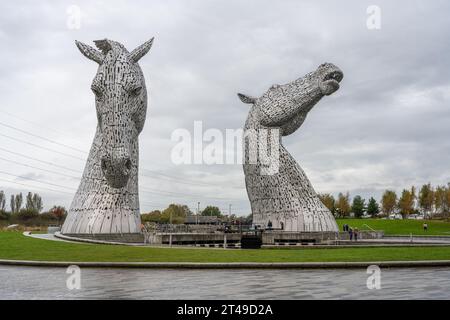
(47, 217)
(31, 218)
(4, 215)
(26, 214)
(57, 214)
(154, 216)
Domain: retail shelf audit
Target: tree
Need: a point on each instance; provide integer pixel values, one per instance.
(186, 210)
(153, 216)
(37, 200)
(2, 201)
(406, 202)
(175, 214)
(29, 202)
(372, 207)
(388, 202)
(34, 202)
(12, 204)
(440, 195)
(447, 201)
(358, 206)
(248, 219)
(343, 205)
(329, 201)
(426, 198)
(3, 214)
(211, 211)
(58, 212)
(19, 202)
(16, 203)
(442, 200)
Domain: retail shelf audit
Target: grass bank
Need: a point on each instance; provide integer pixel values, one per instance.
(15, 246)
(399, 227)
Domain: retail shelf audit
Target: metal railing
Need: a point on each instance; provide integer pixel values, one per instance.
(183, 228)
(369, 227)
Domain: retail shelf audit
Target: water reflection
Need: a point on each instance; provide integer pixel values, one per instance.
(50, 283)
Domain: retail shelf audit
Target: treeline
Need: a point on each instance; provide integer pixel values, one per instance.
(174, 212)
(177, 213)
(29, 212)
(429, 201)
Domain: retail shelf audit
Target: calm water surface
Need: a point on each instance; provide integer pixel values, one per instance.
(50, 283)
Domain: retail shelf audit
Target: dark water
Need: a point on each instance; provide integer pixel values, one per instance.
(50, 283)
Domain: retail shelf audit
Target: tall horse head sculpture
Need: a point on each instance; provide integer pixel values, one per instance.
(107, 200)
(285, 199)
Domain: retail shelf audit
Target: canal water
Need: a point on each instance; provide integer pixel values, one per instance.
(50, 283)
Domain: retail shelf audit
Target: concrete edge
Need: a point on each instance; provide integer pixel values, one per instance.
(231, 265)
(74, 239)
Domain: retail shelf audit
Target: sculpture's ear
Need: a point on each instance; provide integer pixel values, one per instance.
(246, 99)
(140, 51)
(89, 52)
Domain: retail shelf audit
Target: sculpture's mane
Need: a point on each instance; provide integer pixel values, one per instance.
(111, 50)
(106, 45)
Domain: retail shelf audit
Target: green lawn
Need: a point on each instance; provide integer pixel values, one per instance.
(15, 246)
(399, 227)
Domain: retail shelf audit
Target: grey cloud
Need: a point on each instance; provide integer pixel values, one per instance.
(387, 126)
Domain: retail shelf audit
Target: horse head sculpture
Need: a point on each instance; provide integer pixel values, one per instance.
(286, 199)
(121, 104)
(107, 198)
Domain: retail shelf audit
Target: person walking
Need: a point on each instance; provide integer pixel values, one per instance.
(350, 232)
(355, 234)
(425, 226)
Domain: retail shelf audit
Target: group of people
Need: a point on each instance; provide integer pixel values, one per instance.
(353, 232)
(269, 225)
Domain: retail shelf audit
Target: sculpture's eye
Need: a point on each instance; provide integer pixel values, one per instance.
(136, 91)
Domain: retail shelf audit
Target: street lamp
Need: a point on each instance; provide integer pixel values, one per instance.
(198, 210)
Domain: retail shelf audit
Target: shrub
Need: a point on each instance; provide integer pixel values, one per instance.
(58, 213)
(27, 214)
(4, 215)
(47, 217)
(154, 216)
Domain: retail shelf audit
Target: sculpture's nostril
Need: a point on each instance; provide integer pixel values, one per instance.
(103, 164)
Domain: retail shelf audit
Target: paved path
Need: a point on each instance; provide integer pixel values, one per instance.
(385, 242)
(46, 236)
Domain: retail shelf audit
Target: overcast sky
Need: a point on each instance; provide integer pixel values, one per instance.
(387, 126)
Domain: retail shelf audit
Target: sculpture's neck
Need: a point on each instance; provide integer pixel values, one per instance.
(99, 208)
